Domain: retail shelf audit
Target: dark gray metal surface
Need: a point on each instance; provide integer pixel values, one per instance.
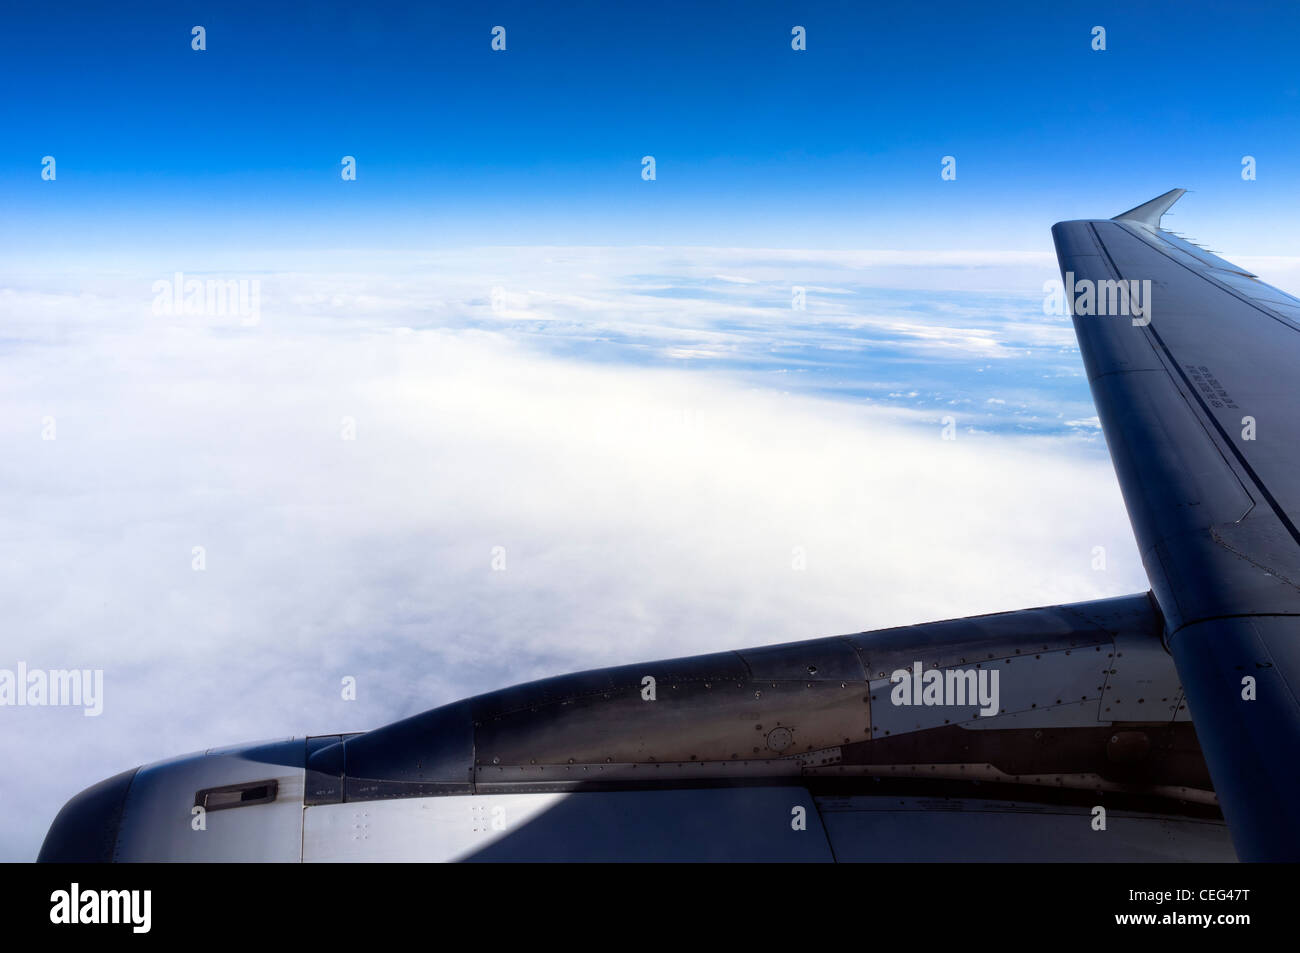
(762, 716)
(1214, 513)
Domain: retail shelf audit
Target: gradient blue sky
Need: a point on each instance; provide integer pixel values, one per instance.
(757, 145)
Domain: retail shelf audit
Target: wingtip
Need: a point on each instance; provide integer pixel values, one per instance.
(1149, 213)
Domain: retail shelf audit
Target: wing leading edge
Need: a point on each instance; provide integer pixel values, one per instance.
(1192, 363)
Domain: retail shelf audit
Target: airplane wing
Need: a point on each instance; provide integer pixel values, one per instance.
(1194, 365)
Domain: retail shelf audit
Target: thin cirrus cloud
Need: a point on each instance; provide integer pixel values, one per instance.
(646, 505)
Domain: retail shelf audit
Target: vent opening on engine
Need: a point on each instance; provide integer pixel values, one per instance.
(237, 795)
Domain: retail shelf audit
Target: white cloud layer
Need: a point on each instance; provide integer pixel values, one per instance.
(645, 512)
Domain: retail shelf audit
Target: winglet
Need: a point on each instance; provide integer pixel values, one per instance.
(1148, 213)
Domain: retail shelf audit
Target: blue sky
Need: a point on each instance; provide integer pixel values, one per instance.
(838, 146)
